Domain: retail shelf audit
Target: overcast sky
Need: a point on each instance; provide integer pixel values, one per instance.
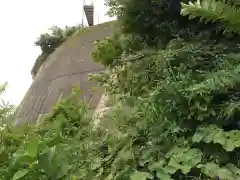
(22, 21)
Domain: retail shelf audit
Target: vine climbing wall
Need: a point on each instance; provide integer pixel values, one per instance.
(69, 65)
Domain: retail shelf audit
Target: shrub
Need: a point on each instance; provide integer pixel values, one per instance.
(57, 149)
(109, 50)
(156, 20)
(6, 109)
(179, 113)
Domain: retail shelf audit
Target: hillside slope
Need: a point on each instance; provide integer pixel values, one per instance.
(69, 65)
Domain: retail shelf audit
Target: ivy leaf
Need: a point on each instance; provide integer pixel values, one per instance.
(219, 137)
(186, 160)
(176, 151)
(163, 175)
(197, 137)
(141, 176)
(156, 165)
(229, 146)
(19, 174)
(183, 167)
(170, 169)
(146, 156)
(212, 170)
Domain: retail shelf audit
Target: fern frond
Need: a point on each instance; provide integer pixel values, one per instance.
(214, 11)
(217, 81)
(230, 108)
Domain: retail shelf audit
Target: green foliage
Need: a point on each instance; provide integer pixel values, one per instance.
(179, 108)
(115, 7)
(49, 42)
(109, 50)
(157, 21)
(51, 151)
(214, 11)
(228, 140)
(176, 114)
(6, 109)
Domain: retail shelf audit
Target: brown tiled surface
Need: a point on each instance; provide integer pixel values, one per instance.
(69, 65)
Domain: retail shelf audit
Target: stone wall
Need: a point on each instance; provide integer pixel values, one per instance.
(69, 65)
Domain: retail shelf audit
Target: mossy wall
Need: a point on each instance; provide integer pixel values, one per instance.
(69, 65)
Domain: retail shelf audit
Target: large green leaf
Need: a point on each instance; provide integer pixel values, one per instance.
(185, 159)
(32, 148)
(47, 159)
(62, 171)
(19, 174)
(163, 175)
(141, 176)
(156, 165)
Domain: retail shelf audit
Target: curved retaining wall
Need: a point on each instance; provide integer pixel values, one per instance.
(69, 65)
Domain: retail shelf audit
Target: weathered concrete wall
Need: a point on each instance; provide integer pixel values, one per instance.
(69, 65)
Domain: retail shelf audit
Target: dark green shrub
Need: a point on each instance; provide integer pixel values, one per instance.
(156, 20)
(179, 113)
(111, 49)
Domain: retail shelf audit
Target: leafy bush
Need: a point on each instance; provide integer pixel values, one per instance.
(179, 113)
(109, 50)
(6, 109)
(157, 21)
(176, 113)
(116, 7)
(58, 149)
(49, 42)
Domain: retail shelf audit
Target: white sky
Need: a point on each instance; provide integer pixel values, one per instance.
(22, 21)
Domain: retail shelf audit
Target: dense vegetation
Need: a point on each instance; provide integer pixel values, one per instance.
(6, 109)
(49, 42)
(175, 83)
